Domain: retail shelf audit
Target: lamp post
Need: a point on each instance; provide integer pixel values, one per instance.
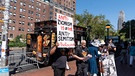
(108, 27)
(88, 34)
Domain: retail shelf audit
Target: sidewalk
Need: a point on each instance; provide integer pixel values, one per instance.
(48, 71)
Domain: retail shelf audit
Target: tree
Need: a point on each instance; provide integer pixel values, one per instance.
(126, 29)
(97, 24)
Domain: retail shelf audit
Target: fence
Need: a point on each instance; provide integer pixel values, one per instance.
(19, 61)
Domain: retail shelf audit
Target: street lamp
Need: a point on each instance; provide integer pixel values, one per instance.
(88, 34)
(108, 27)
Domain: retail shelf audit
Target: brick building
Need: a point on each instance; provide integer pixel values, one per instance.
(23, 14)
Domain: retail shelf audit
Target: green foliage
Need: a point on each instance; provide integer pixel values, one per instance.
(128, 27)
(17, 42)
(97, 23)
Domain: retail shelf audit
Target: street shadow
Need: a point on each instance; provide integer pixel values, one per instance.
(70, 75)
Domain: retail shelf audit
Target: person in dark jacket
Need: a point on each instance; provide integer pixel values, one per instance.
(82, 66)
(59, 60)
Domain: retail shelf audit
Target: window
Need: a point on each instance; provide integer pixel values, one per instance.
(44, 11)
(15, 1)
(22, 29)
(10, 21)
(2, 26)
(39, 4)
(29, 17)
(19, 29)
(9, 27)
(56, 10)
(37, 8)
(44, 5)
(13, 28)
(21, 9)
(23, 23)
(24, 4)
(20, 22)
(20, 15)
(10, 13)
(13, 21)
(28, 30)
(11, 35)
(51, 13)
(10, 7)
(14, 7)
(24, 10)
(32, 6)
(29, 6)
(28, 23)
(14, 14)
(21, 3)
(23, 16)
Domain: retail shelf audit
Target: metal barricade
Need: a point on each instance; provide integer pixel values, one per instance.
(19, 61)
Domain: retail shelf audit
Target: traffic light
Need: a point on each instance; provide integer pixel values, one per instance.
(1, 21)
(2, 8)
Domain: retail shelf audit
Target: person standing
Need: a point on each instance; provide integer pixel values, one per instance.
(93, 66)
(60, 56)
(111, 47)
(7, 51)
(59, 60)
(132, 54)
(82, 66)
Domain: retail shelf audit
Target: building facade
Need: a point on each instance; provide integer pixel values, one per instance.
(23, 14)
(121, 19)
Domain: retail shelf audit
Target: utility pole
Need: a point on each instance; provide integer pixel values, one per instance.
(5, 31)
(4, 70)
(130, 31)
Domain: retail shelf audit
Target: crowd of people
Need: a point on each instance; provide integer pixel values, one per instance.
(87, 58)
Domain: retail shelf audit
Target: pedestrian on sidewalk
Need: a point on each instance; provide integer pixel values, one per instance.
(132, 54)
(123, 56)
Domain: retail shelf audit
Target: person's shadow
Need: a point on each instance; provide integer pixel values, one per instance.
(70, 75)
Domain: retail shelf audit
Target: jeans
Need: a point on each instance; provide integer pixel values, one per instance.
(131, 59)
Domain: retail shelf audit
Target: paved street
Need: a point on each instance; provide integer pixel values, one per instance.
(122, 70)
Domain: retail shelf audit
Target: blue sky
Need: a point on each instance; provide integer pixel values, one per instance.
(109, 8)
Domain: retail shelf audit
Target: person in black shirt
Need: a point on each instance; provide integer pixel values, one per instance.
(82, 66)
(59, 60)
